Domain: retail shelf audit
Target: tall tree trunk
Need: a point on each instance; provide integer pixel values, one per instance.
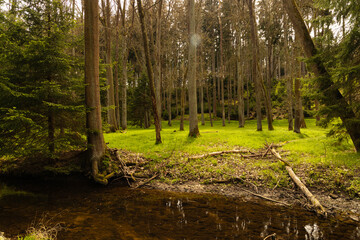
(109, 73)
(297, 124)
(209, 103)
(222, 70)
(182, 97)
(288, 77)
(202, 94)
(240, 87)
(169, 96)
(150, 72)
(255, 50)
(267, 89)
(124, 80)
(193, 121)
(229, 96)
(95, 139)
(158, 60)
(331, 95)
(213, 73)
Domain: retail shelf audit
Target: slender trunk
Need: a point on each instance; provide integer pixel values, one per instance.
(240, 87)
(248, 97)
(193, 121)
(202, 95)
(267, 90)
(297, 124)
(150, 72)
(109, 73)
(95, 139)
(229, 98)
(169, 97)
(288, 77)
(158, 60)
(222, 71)
(214, 82)
(255, 50)
(124, 80)
(209, 104)
(182, 100)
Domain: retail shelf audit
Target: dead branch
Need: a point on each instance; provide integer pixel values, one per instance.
(217, 153)
(145, 181)
(266, 198)
(317, 205)
(270, 237)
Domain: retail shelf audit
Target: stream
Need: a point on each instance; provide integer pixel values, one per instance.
(88, 211)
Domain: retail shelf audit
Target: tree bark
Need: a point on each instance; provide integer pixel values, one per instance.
(95, 139)
(213, 73)
(240, 87)
(158, 60)
(288, 77)
(193, 121)
(150, 72)
(209, 103)
(222, 71)
(255, 50)
(109, 72)
(169, 96)
(331, 94)
(297, 124)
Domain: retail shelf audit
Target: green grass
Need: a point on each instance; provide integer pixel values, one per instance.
(311, 142)
(321, 161)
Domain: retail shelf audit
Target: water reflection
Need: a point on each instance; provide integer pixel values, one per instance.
(120, 213)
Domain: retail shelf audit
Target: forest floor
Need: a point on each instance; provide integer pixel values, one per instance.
(329, 168)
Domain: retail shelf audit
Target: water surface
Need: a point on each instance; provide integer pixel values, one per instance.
(117, 212)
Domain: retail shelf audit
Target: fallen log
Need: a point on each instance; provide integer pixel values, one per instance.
(317, 205)
(217, 153)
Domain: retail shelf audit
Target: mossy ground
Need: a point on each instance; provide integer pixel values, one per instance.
(322, 162)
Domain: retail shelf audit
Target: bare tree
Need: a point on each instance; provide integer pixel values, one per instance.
(95, 145)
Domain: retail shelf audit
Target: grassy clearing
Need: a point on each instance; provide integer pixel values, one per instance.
(320, 161)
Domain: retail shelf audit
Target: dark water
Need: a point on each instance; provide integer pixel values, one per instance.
(116, 212)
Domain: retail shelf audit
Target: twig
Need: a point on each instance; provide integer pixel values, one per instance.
(217, 153)
(146, 181)
(266, 198)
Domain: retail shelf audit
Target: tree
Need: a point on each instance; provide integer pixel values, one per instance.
(95, 145)
(330, 94)
(149, 71)
(255, 50)
(109, 73)
(193, 41)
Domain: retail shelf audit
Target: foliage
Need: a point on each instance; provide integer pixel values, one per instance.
(40, 82)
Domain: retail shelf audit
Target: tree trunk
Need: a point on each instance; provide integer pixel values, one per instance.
(288, 77)
(158, 61)
(182, 99)
(124, 80)
(213, 73)
(193, 121)
(255, 50)
(331, 95)
(209, 103)
(222, 71)
(267, 89)
(95, 139)
(202, 95)
(150, 72)
(109, 73)
(297, 124)
(240, 87)
(169, 96)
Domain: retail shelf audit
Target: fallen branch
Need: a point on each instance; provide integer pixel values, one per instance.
(217, 153)
(317, 205)
(266, 198)
(145, 181)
